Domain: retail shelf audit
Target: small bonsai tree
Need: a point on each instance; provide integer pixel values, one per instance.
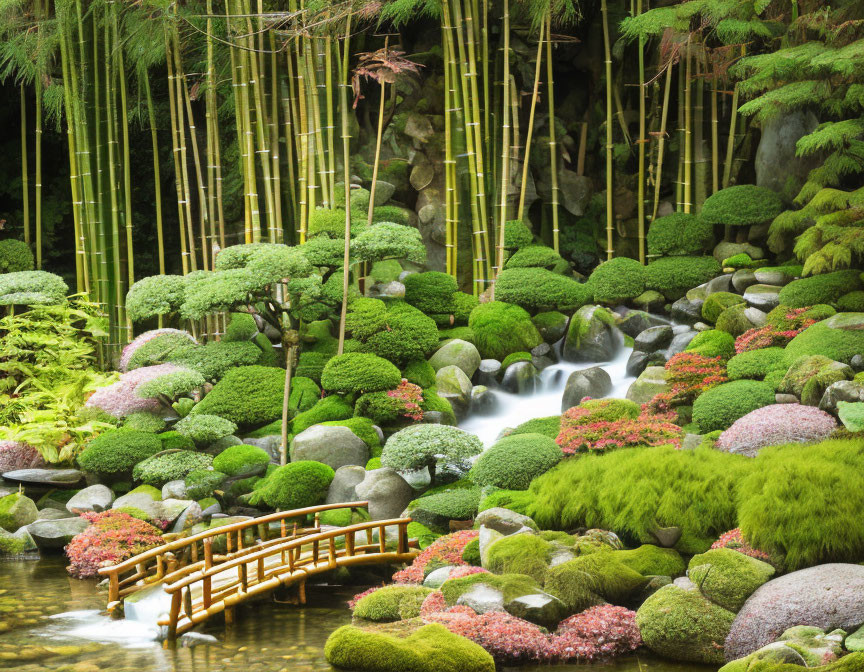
(32, 288)
(429, 446)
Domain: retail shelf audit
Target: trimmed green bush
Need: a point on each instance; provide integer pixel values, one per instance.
(785, 318)
(673, 276)
(727, 577)
(160, 469)
(202, 483)
(853, 302)
(431, 648)
(501, 328)
(635, 491)
(15, 256)
(679, 234)
(32, 288)
(241, 460)
(329, 408)
(743, 260)
(734, 320)
(247, 395)
(526, 554)
(651, 560)
(471, 552)
(391, 603)
(617, 280)
(294, 486)
(204, 429)
(511, 585)
(359, 372)
(549, 426)
(719, 407)
(405, 334)
(175, 441)
(214, 359)
(437, 509)
(170, 386)
(516, 235)
(117, 451)
(421, 446)
(311, 364)
(390, 241)
(519, 501)
(241, 327)
(431, 292)
(592, 579)
(534, 256)
(817, 289)
(717, 302)
(327, 222)
(388, 270)
(538, 289)
(713, 343)
(514, 461)
(156, 350)
(389, 213)
(420, 372)
(143, 421)
(741, 205)
(462, 333)
(305, 393)
(840, 345)
(756, 364)
(155, 295)
(463, 304)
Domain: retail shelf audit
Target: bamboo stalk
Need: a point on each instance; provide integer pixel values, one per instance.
(609, 166)
(346, 167)
(505, 144)
(661, 144)
(688, 133)
(25, 171)
(553, 144)
(715, 137)
(157, 177)
(700, 169)
(378, 138)
(520, 212)
(642, 143)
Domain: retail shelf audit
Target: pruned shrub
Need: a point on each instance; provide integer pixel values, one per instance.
(117, 451)
(741, 205)
(679, 234)
(422, 446)
(539, 289)
(111, 538)
(514, 461)
(617, 280)
(170, 466)
(501, 328)
(204, 429)
(721, 406)
(359, 372)
(246, 395)
(294, 486)
(673, 276)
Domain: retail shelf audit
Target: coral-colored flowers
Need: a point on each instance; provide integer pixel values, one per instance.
(734, 539)
(447, 550)
(411, 396)
(111, 538)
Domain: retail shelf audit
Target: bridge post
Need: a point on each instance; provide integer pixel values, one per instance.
(403, 538)
(174, 614)
(349, 543)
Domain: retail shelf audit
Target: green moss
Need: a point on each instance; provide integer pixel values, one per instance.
(361, 427)
(511, 585)
(719, 407)
(431, 292)
(305, 393)
(756, 663)
(246, 395)
(216, 358)
(501, 328)
(741, 205)
(809, 376)
(391, 603)
(526, 554)
(784, 318)
(294, 486)
(538, 289)
(381, 409)
(202, 482)
(15, 256)
(420, 372)
(673, 276)
(514, 461)
(359, 372)
(756, 364)
(734, 320)
(717, 302)
(330, 223)
(438, 404)
(683, 625)
(117, 451)
(462, 333)
(154, 493)
(617, 280)
(432, 648)
(679, 234)
(391, 213)
(327, 409)
(743, 260)
(853, 302)
(520, 501)
(240, 460)
(551, 324)
(516, 235)
(159, 348)
(514, 357)
(650, 560)
(438, 509)
(463, 304)
(713, 343)
(373, 463)
(549, 426)
(144, 422)
(534, 256)
(591, 579)
(160, 469)
(311, 364)
(840, 345)
(402, 334)
(727, 577)
(471, 553)
(241, 327)
(818, 289)
(204, 429)
(385, 271)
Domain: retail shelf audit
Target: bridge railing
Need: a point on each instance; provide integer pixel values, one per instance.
(171, 559)
(281, 562)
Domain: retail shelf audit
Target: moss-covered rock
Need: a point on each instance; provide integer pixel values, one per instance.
(756, 364)
(592, 579)
(809, 376)
(17, 510)
(717, 302)
(246, 395)
(741, 205)
(359, 372)
(116, 452)
(243, 460)
(673, 276)
(294, 486)
(818, 289)
(617, 280)
(727, 577)
(650, 560)
(827, 338)
(526, 554)
(514, 461)
(679, 234)
(720, 406)
(501, 328)
(551, 324)
(538, 289)
(391, 603)
(591, 335)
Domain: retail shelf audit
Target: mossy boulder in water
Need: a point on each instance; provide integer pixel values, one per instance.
(591, 335)
(16, 511)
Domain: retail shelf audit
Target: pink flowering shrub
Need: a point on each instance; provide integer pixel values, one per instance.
(410, 396)
(433, 603)
(466, 570)
(129, 350)
(688, 375)
(764, 337)
(111, 538)
(18, 455)
(599, 632)
(119, 399)
(774, 425)
(584, 430)
(734, 539)
(447, 550)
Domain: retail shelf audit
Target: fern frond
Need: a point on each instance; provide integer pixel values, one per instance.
(828, 200)
(831, 135)
(785, 227)
(794, 95)
(736, 31)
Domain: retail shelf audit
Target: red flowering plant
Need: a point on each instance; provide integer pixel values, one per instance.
(410, 396)
(780, 329)
(735, 540)
(599, 632)
(688, 375)
(446, 550)
(111, 538)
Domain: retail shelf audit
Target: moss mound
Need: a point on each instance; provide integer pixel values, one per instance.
(538, 289)
(549, 426)
(679, 234)
(720, 406)
(727, 577)
(501, 328)
(617, 280)
(117, 451)
(514, 461)
(246, 395)
(359, 372)
(391, 603)
(741, 205)
(294, 486)
(526, 554)
(673, 276)
(827, 288)
(592, 579)
(650, 560)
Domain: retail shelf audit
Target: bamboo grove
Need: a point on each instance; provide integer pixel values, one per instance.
(262, 132)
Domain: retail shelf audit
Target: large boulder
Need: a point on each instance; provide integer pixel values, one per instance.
(727, 577)
(591, 335)
(826, 596)
(13, 544)
(455, 386)
(95, 498)
(53, 535)
(763, 297)
(457, 353)
(344, 484)
(593, 382)
(386, 491)
(55, 478)
(650, 382)
(16, 511)
(778, 165)
(333, 445)
(541, 608)
(520, 378)
(503, 520)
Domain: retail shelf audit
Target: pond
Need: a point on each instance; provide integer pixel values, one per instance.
(51, 622)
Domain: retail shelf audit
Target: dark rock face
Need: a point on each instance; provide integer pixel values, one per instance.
(687, 311)
(592, 382)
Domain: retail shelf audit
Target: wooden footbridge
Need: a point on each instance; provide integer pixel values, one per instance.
(213, 571)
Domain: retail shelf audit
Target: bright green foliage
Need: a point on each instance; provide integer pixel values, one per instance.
(673, 276)
(206, 292)
(501, 328)
(743, 260)
(160, 469)
(853, 302)
(516, 235)
(617, 280)
(463, 304)
(330, 223)
(391, 603)
(385, 271)
(419, 372)
(851, 414)
(390, 241)
(514, 461)
(679, 234)
(333, 407)
(717, 302)
(756, 364)
(363, 429)
(236, 256)
(154, 296)
(783, 318)
(144, 421)
(451, 503)
(532, 256)
(170, 386)
(820, 339)
(15, 256)
(637, 490)
(519, 501)
(294, 486)
(175, 441)
(305, 393)
(720, 406)
(514, 357)
(247, 395)
(804, 502)
(241, 460)
(526, 554)
(592, 579)
(202, 482)
(727, 577)
(336, 517)
(389, 213)
(741, 205)
(538, 289)
(651, 560)
(683, 625)
(382, 409)
(433, 402)
(215, 358)
(431, 292)
(431, 648)
(462, 333)
(826, 288)
(549, 426)
(158, 349)
(713, 343)
(116, 451)
(311, 364)
(32, 288)
(511, 585)
(421, 446)
(241, 327)
(734, 320)
(809, 376)
(204, 429)
(400, 333)
(359, 372)
(365, 317)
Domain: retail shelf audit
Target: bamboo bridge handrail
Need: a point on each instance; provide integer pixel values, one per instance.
(177, 544)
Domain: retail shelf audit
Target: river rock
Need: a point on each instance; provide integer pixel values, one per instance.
(457, 353)
(763, 297)
(634, 322)
(335, 446)
(551, 325)
(386, 290)
(650, 382)
(773, 276)
(639, 361)
(55, 478)
(727, 249)
(489, 373)
(845, 321)
(174, 490)
(591, 335)
(542, 609)
(483, 400)
(438, 576)
(593, 382)
(650, 301)
(13, 544)
(95, 498)
(192, 515)
(742, 279)
(482, 598)
(687, 311)
(653, 339)
(826, 596)
(855, 641)
(54, 514)
(386, 491)
(452, 381)
(342, 487)
(843, 390)
(16, 511)
(520, 378)
(503, 520)
(53, 535)
(272, 445)
(778, 165)
(722, 283)
(756, 317)
(815, 645)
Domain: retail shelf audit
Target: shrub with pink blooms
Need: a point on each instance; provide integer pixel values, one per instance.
(774, 425)
(152, 347)
(591, 427)
(18, 455)
(446, 550)
(120, 400)
(111, 538)
(735, 540)
(599, 632)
